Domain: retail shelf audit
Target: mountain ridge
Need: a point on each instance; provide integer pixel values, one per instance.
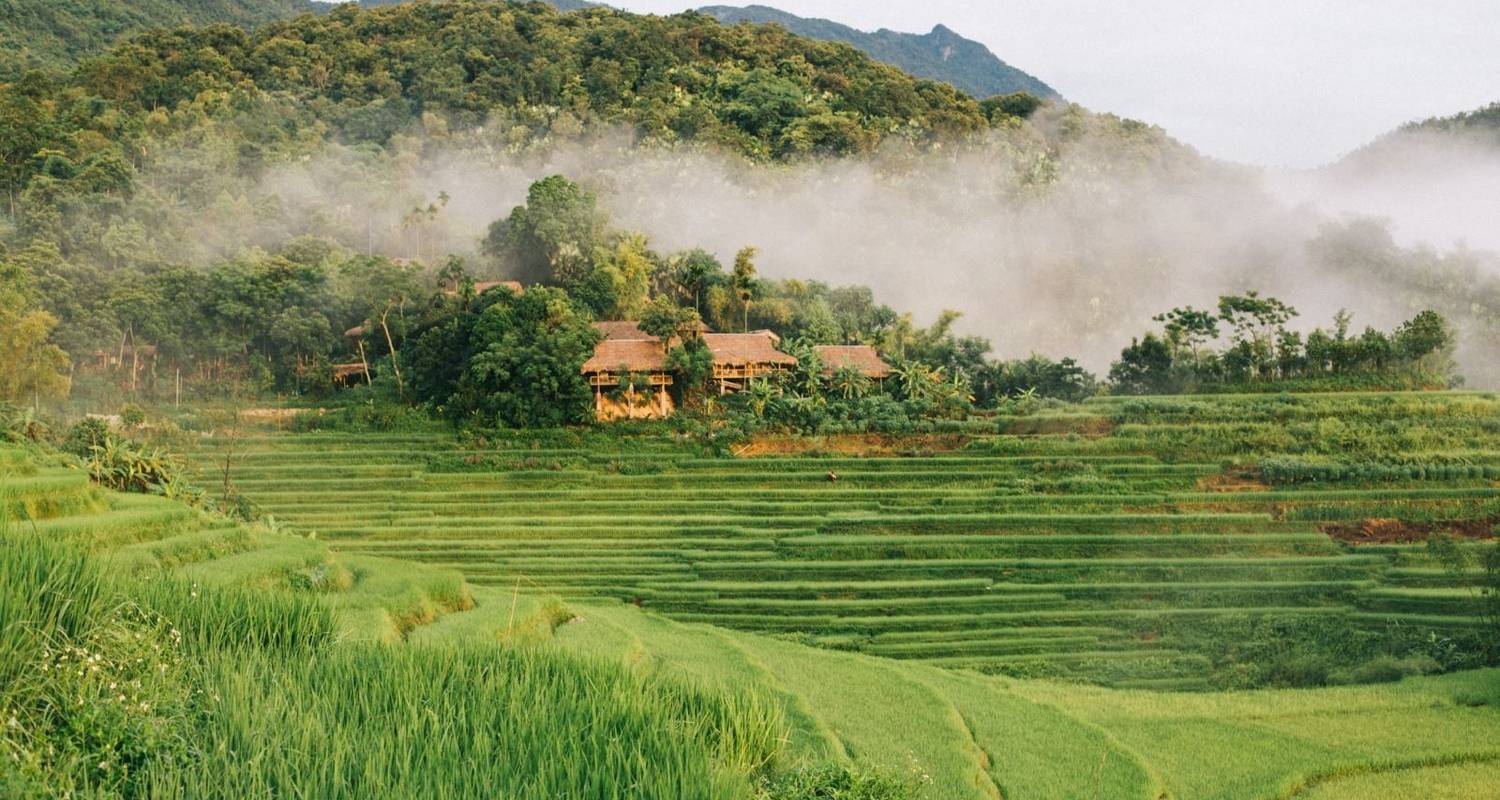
(941, 54)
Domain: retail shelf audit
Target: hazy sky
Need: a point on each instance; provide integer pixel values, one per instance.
(1273, 82)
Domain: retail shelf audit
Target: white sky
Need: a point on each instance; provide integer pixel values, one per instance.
(1293, 83)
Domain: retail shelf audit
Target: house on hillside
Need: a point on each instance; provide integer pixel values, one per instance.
(740, 357)
(862, 358)
(628, 373)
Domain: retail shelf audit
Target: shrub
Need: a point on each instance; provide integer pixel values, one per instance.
(85, 435)
(833, 782)
(1389, 669)
(132, 416)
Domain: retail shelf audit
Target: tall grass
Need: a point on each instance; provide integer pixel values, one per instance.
(48, 594)
(440, 722)
(167, 688)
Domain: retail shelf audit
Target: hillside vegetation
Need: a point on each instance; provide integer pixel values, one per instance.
(59, 33)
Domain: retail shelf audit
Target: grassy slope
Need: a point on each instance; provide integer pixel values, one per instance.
(263, 690)
(981, 736)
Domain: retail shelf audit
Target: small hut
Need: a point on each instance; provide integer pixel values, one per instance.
(862, 358)
(353, 372)
(740, 357)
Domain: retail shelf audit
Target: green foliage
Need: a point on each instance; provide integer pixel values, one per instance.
(830, 782)
(550, 239)
(1262, 352)
(125, 466)
(1017, 105)
(34, 366)
(40, 34)
(85, 435)
(1034, 377)
(509, 361)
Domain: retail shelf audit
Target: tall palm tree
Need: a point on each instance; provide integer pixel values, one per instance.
(743, 280)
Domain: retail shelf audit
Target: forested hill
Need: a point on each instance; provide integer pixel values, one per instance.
(57, 33)
(940, 55)
(365, 74)
(1478, 129)
(1480, 124)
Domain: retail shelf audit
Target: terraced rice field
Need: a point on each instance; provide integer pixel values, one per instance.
(965, 735)
(1056, 553)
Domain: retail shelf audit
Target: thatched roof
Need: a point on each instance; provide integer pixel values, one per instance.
(861, 357)
(480, 287)
(739, 349)
(622, 329)
(635, 355)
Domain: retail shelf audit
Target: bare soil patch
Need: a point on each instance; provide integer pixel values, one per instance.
(1382, 530)
(1244, 480)
(274, 414)
(852, 444)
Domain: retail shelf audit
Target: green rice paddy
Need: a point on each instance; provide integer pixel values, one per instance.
(1139, 539)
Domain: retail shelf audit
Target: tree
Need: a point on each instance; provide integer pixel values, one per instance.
(1255, 321)
(693, 363)
(849, 383)
(692, 272)
(1189, 328)
(743, 280)
(33, 367)
(1145, 367)
(1426, 342)
(627, 267)
(528, 351)
(550, 239)
(663, 319)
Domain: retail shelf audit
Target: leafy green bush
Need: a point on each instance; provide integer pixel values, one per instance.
(833, 782)
(85, 435)
(125, 466)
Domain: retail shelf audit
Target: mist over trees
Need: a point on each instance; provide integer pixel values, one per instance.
(238, 209)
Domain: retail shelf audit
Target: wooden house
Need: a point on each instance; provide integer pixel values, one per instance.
(740, 357)
(626, 357)
(860, 357)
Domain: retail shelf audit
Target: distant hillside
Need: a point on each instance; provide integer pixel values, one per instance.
(57, 33)
(1479, 128)
(940, 55)
(1483, 123)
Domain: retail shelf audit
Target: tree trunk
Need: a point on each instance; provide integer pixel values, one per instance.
(364, 361)
(395, 360)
